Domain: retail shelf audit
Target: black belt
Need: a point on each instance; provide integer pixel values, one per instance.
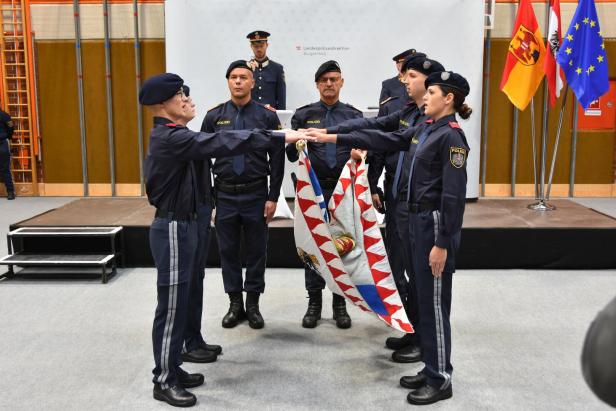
(172, 215)
(241, 187)
(421, 207)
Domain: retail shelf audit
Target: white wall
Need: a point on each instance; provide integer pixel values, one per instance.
(204, 36)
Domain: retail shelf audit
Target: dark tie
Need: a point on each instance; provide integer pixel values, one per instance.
(238, 161)
(330, 148)
(422, 138)
(394, 187)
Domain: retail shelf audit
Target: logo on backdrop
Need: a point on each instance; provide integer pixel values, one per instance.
(320, 50)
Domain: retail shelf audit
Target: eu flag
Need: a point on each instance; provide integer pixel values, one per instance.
(582, 55)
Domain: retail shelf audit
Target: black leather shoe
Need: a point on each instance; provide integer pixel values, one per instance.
(199, 355)
(313, 313)
(340, 313)
(428, 395)
(217, 349)
(255, 319)
(395, 343)
(176, 396)
(412, 382)
(10, 195)
(236, 311)
(408, 354)
(191, 380)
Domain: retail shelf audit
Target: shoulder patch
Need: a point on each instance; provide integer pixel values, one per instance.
(457, 156)
(9, 123)
(387, 100)
(429, 121)
(171, 125)
(454, 124)
(215, 107)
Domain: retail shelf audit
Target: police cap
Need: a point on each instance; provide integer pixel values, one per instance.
(422, 64)
(449, 79)
(327, 67)
(257, 36)
(160, 88)
(401, 56)
(238, 64)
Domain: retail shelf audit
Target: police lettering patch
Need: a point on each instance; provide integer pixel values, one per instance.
(223, 122)
(313, 122)
(457, 156)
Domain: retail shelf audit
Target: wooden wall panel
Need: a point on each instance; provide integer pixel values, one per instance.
(59, 111)
(595, 150)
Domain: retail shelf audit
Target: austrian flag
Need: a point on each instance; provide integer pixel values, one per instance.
(348, 250)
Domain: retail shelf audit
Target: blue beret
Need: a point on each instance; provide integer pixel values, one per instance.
(422, 64)
(237, 64)
(327, 67)
(160, 88)
(449, 79)
(258, 35)
(406, 53)
(186, 90)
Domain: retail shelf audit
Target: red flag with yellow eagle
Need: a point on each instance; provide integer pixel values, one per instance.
(524, 66)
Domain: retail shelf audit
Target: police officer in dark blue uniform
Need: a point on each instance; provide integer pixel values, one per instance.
(436, 200)
(195, 349)
(415, 70)
(6, 133)
(243, 203)
(327, 161)
(172, 187)
(394, 87)
(270, 87)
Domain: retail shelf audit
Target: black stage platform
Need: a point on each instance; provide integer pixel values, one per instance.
(496, 234)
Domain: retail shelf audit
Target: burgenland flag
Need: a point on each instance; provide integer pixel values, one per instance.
(583, 57)
(524, 65)
(344, 244)
(553, 72)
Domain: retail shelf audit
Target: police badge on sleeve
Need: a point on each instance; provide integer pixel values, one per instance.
(457, 156)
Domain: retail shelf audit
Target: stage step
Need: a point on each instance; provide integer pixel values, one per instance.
(68, 251)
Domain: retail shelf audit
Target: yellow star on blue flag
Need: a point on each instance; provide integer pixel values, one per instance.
(582, 55)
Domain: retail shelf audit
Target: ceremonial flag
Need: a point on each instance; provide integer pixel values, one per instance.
(348, 251)
(553, 72)
(524, 65)
(582, 55)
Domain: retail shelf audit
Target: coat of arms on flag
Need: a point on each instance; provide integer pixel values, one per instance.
(342, 241)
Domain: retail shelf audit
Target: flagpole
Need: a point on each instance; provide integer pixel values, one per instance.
(555, 152)
(573, 150)
(542, 205)
(534, 139)
(514, 149)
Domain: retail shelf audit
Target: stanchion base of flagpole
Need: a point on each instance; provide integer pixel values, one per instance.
(541, 206)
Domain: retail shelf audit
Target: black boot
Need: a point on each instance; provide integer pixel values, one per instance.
(10, 195)
(176, 396)
(236, 311)
(313, 314)
(340, 313)
(255, 319)
(396, 343)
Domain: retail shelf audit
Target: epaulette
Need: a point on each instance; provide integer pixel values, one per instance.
(215, 107)
(268, 107)
(303, 107)
(351, 106)
(454, 124)
(387, 100)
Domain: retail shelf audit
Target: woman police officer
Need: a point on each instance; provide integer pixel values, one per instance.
(436, 200)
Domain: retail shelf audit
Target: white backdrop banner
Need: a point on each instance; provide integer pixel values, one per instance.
(204, 36)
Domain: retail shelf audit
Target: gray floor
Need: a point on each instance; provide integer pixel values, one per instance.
(76, 344)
